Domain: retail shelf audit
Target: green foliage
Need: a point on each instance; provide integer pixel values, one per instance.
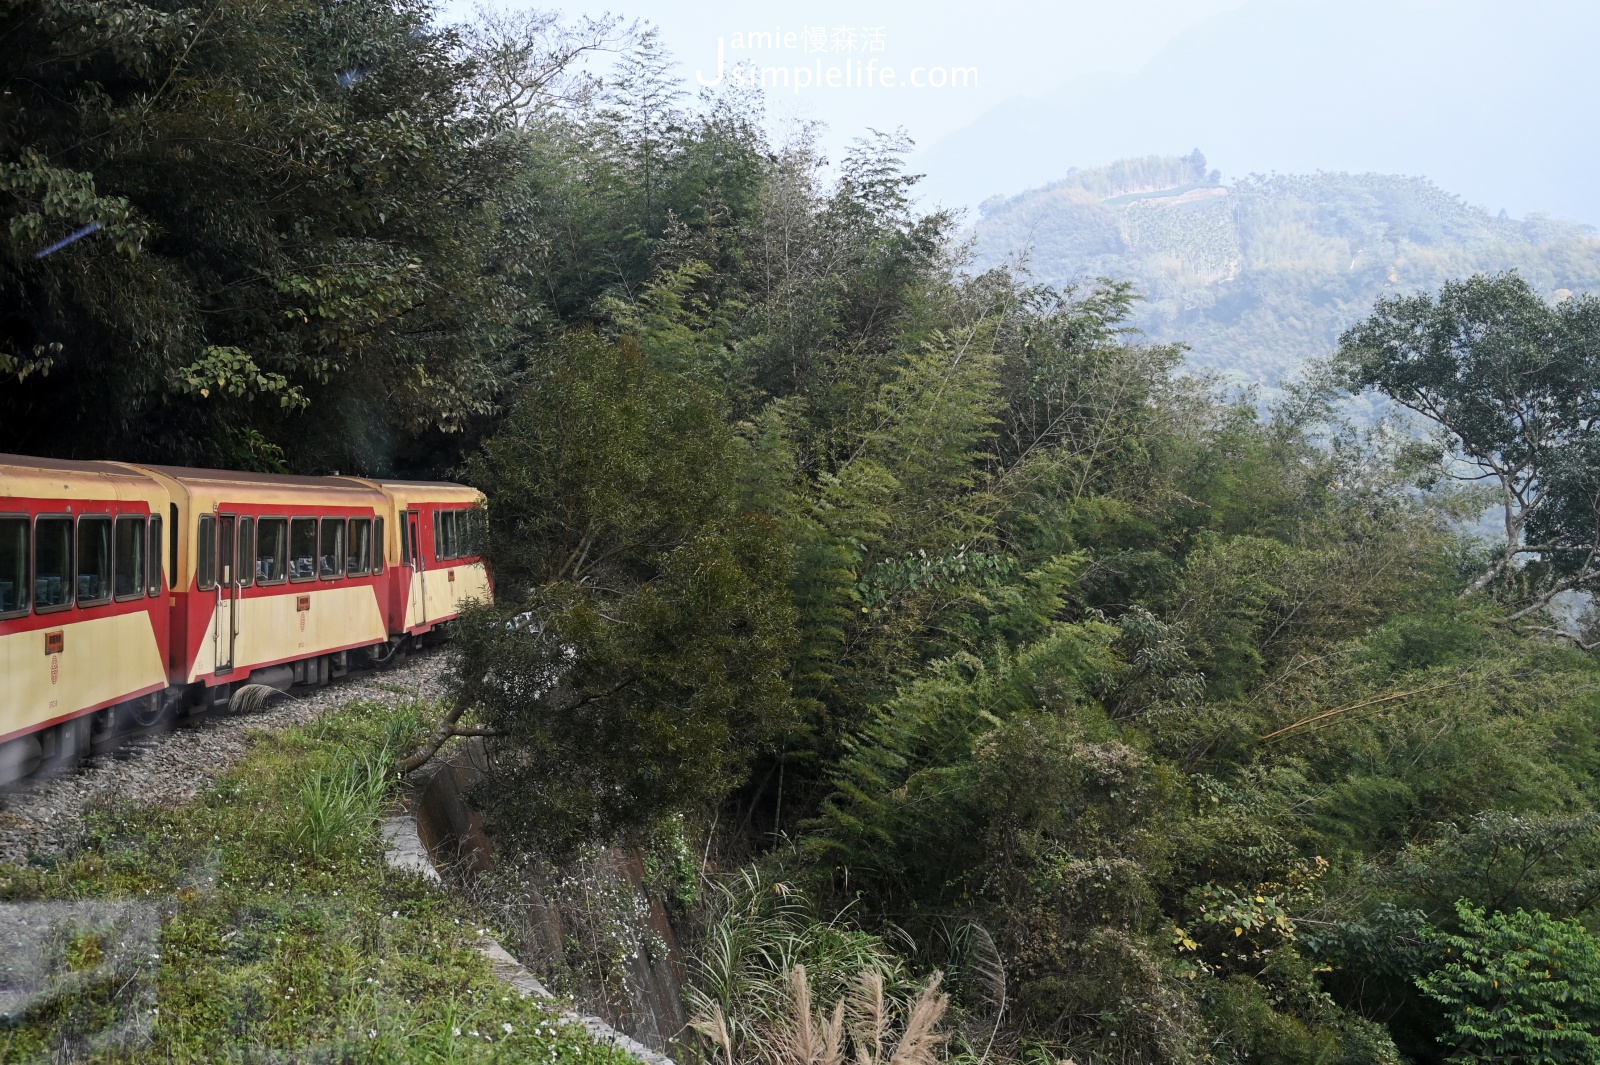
(637, 652)
(341, 807)
(1518, 987)
(259, 950)
(297, 202)
(756, 930)
(1154, 718)
(1509, 381)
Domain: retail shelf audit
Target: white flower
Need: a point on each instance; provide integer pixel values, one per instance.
(372, 1033)
(455, 1031)
(506, 1028)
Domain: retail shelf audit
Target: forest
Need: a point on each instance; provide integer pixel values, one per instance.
(1014, 692)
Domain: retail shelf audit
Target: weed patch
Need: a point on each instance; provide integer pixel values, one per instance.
(276, 930)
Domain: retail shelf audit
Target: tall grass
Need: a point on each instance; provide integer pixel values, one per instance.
(759, 932)
(337, 808)
(860, 1028)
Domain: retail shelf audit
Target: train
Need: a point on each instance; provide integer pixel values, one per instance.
(134, 595)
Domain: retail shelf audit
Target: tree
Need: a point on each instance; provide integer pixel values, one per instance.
(297, 211)
(1513, 385)
(1520, 987)
(637, 654)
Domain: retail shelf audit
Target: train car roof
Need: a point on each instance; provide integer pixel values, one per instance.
(23, 475)
(51, 467)
(38, 473)
(266, 480)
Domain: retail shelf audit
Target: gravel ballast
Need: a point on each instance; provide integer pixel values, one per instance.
(41, 818)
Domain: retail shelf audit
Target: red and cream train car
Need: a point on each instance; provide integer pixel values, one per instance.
(129, 594)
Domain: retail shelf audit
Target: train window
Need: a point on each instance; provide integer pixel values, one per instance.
(272, 550)
(13, 566)
(205, 554)
(52, 564)
(227, 540)
(303, 549)
(405, 541)
(128, 570)
(247, 551)
(359, 562)
(450, 541)
(172, 544)
(94, 561)
(378, 546)
(474, 532)
(331, 553)
(438, 536)
(155, 584)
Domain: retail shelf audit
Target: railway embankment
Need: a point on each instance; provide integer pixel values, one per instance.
(42, 819)
(250, 912)
(233, 886)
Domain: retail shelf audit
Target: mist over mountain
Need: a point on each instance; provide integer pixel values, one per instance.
(1488, 105)
(1260, 274)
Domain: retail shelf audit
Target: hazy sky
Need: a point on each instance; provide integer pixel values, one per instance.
(1493, 99)
(1018, 47)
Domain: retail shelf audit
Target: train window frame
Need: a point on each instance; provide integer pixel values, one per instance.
(25, 597)
(350, 545)
(295, 578)
(143, 543)
(283, 556)
(337, 525)
(205, 561)
(245, 575)
(154, 585)
(33, 560)
(77, 559)
(379, 548)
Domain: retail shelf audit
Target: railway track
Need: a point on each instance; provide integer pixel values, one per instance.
(40, 818)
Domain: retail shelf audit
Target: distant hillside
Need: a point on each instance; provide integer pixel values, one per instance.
(1262, 273)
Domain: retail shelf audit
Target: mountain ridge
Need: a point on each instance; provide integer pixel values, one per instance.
(1262, 273)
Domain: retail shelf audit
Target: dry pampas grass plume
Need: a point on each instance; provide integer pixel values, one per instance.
(920, 1042)
(714, 1026)
(806, 1037)
(870, 1014)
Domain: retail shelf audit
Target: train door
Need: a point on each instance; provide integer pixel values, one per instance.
(226, 633)
(419, 587)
